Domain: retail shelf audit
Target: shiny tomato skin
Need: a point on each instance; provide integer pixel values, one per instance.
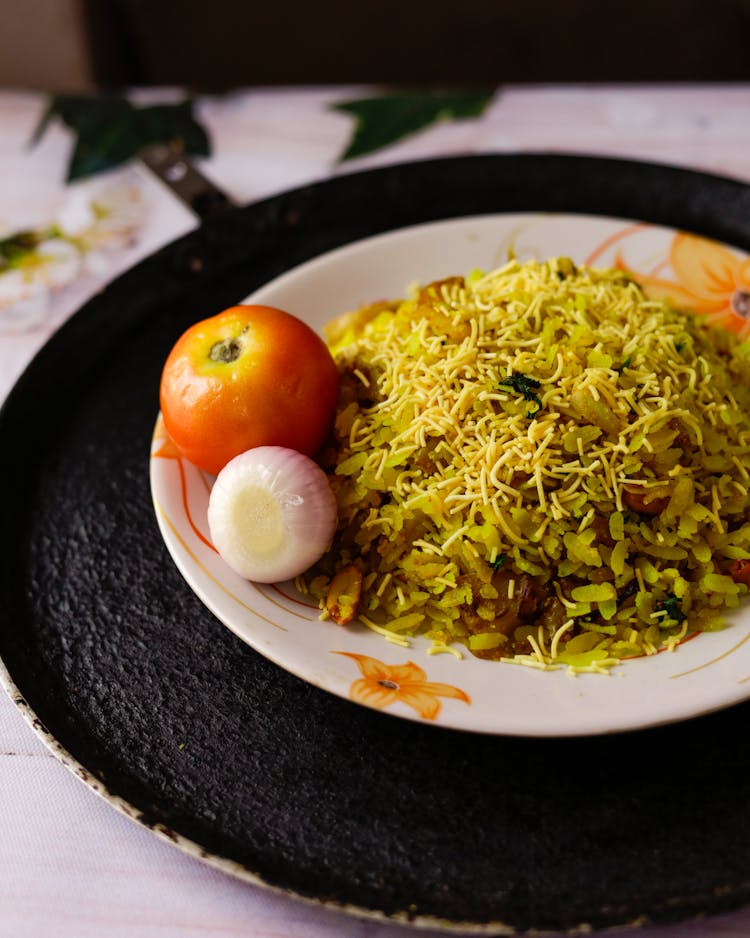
(249, 376)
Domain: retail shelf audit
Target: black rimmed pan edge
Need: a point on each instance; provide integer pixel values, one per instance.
(162, 710)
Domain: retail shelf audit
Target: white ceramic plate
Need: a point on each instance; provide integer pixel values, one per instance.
(706, 673)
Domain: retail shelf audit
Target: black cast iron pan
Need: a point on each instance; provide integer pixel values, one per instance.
(161, 709)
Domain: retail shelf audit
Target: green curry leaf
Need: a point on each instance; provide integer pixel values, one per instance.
(671, 605)
(498, 562)
(383, 120)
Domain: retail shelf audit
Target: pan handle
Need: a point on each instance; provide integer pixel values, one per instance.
(174, 170)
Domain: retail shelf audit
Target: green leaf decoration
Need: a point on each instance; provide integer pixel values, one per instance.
(383, 120)
(110, 130)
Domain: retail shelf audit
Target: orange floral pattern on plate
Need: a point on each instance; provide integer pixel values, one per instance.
(384, 684)
(167, 450)
(710, 279)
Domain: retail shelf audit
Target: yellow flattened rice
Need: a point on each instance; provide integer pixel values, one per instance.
(540, 464)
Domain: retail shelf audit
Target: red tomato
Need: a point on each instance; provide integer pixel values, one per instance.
(250, 376)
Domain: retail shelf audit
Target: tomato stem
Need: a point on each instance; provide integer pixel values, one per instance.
(227, 350)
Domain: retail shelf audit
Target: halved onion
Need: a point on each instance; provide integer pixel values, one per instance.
(271, 513)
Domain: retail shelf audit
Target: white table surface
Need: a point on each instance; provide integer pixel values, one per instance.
(70, 865)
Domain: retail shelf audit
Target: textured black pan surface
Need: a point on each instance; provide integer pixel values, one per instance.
(161, 703)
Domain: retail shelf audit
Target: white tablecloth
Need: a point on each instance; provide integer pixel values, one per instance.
(70, 865)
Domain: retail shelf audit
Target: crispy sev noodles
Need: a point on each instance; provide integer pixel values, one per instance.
(541, 464)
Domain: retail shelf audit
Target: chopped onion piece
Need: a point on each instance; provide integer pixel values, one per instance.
(271, 513)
